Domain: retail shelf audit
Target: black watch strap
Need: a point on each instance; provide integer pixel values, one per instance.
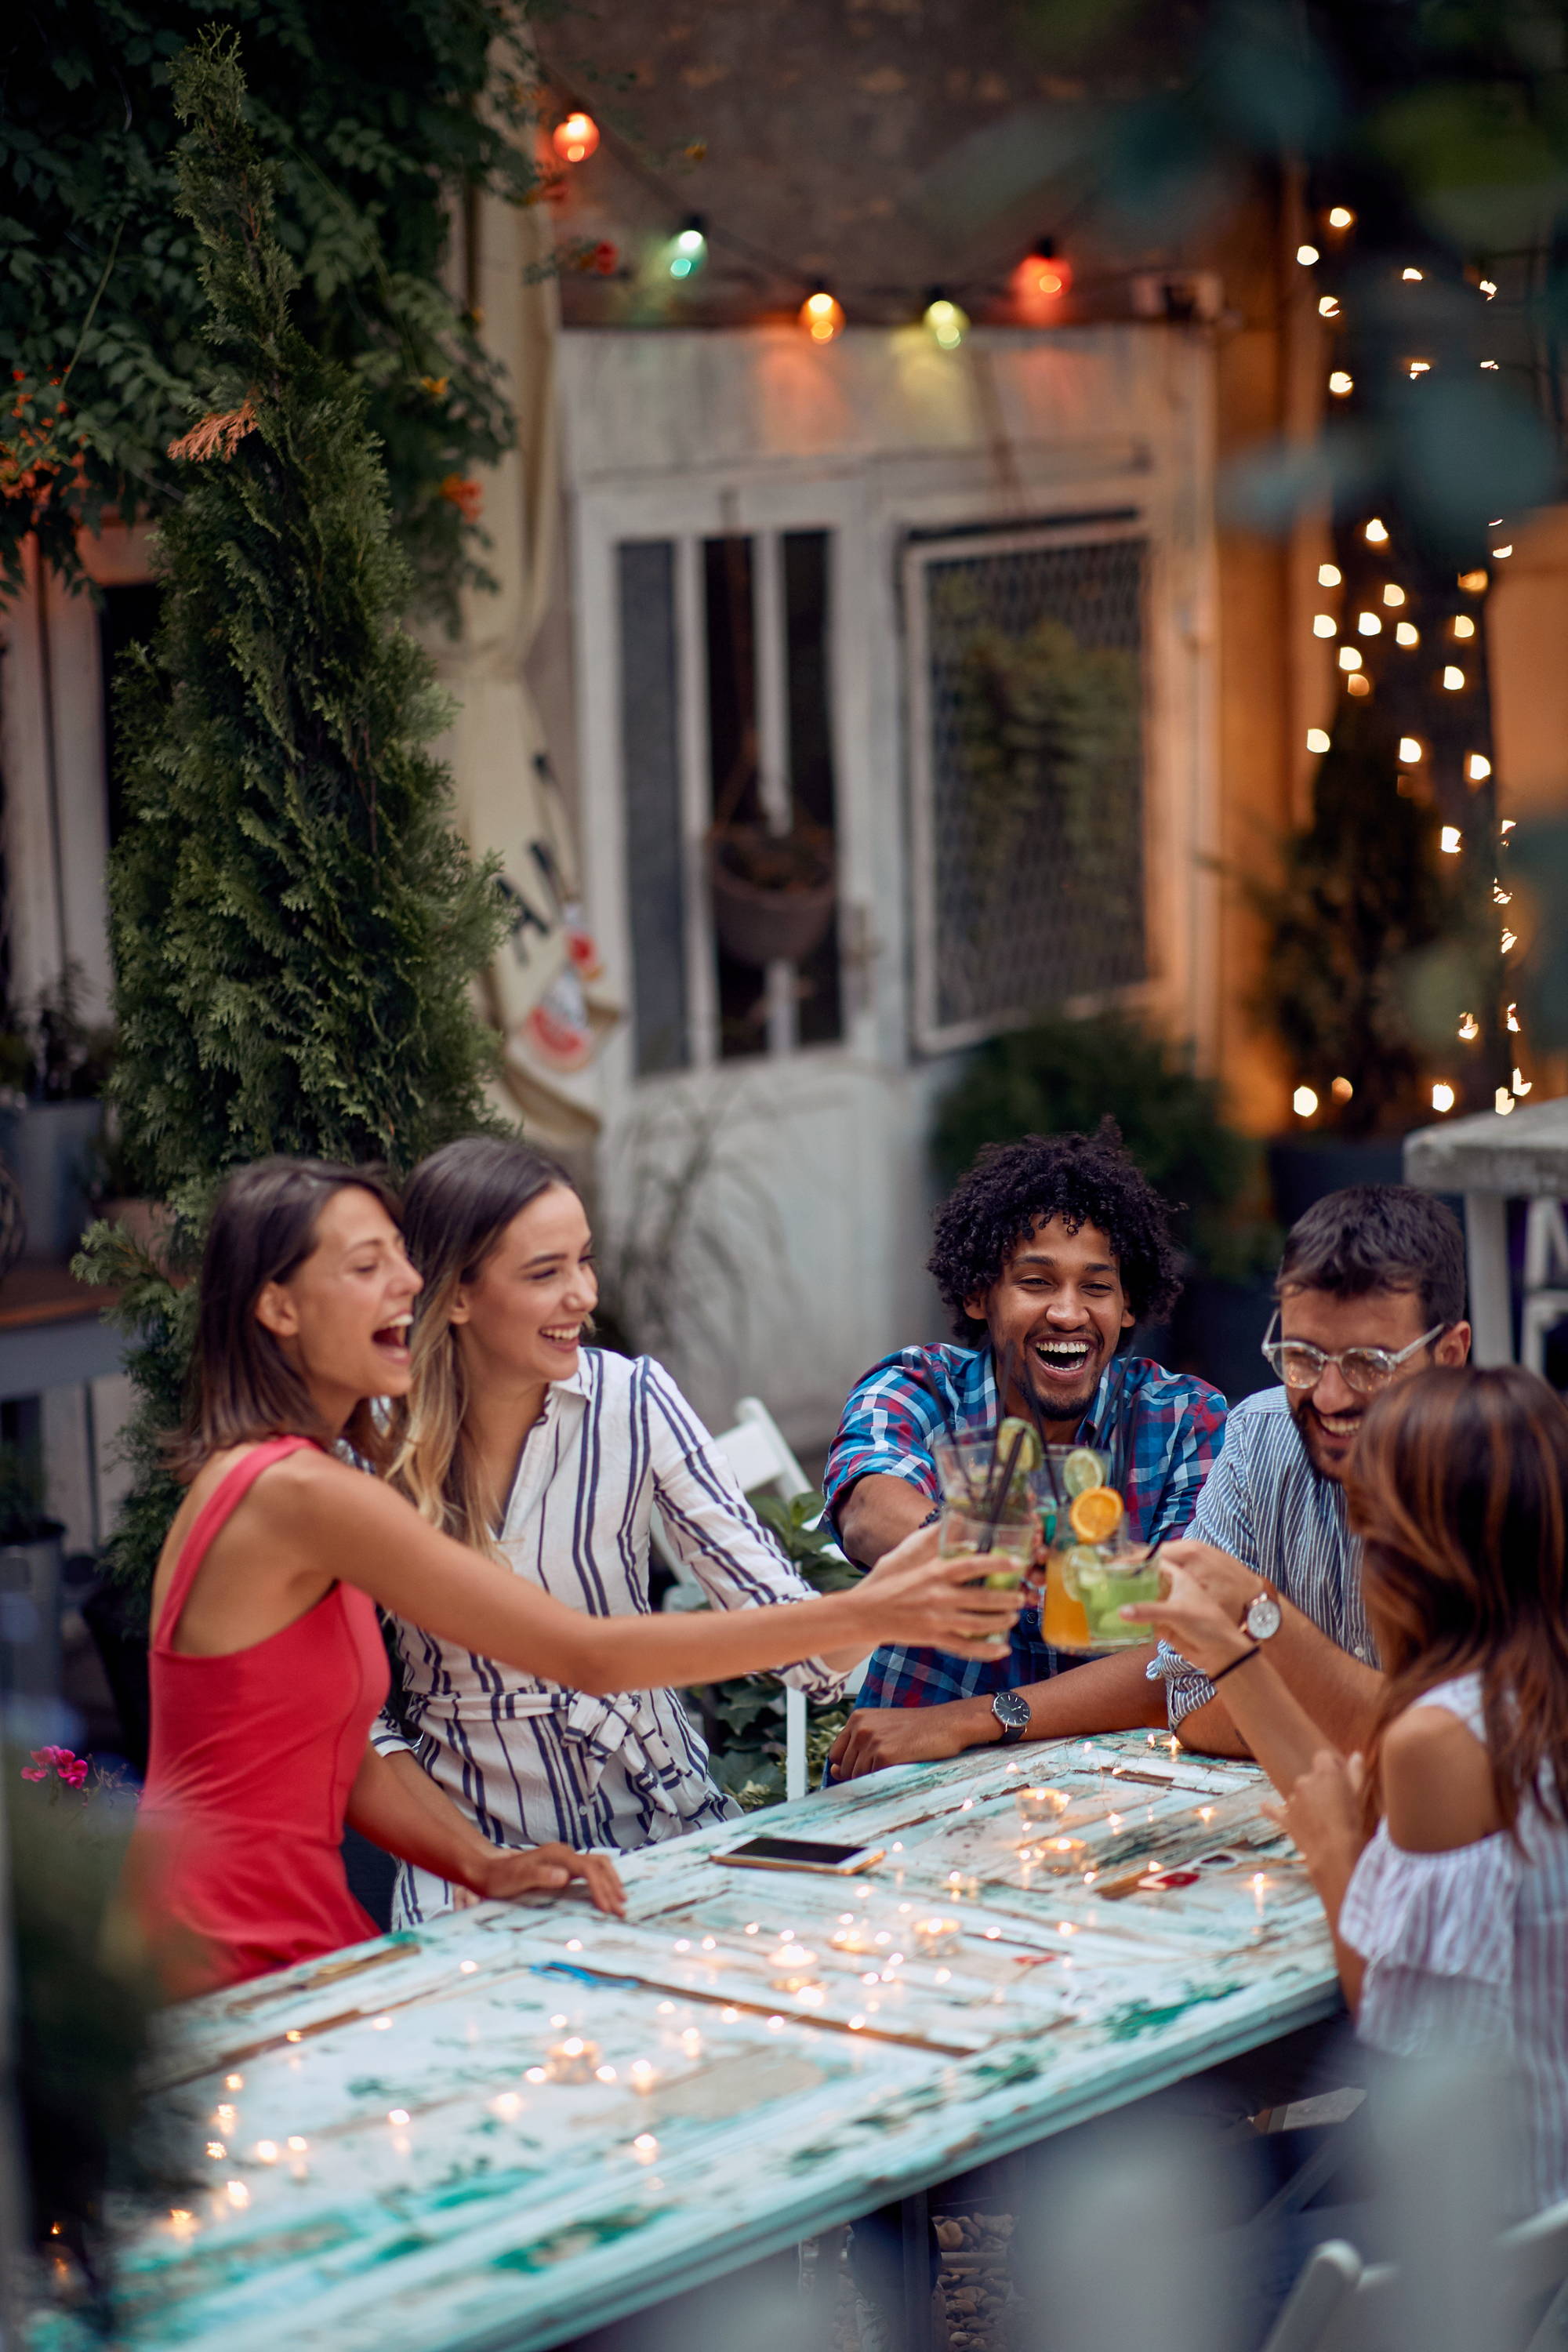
(1012, 1731)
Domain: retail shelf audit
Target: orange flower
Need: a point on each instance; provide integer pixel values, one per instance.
(464, 494)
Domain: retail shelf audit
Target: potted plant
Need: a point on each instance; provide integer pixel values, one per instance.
(773, 893)
(31, 1560)
(53, 1065)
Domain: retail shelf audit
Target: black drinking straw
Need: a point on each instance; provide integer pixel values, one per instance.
(994, 1500)
(1002, 1387)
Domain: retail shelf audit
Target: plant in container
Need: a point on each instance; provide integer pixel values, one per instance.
(773, 893)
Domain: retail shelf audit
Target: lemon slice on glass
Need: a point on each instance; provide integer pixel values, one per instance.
(1082, 1469)
(1028, 1452)
(1096, 1514)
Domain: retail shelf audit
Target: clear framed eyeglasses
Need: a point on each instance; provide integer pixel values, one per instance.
(1366, 1370)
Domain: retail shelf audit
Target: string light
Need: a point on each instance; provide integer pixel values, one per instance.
(1521, 1084)
(1463, 625)
(1329, 575)
(1442, 1095)
(1450, 840)
(1511, 1019)
(1376, 532)
(1392, 594)
(690, 248)
(1368, 625)
(1452, 678)
(1328, 306)
(1349, 658)
(1418, 367)
(1502, 1101)
(1040, 281)
(1489, 288)
(575, 139)
(1341, 216)
(1341, 1090)
(945, 321)
(1491, 365)
(1500, 553)
(1317, 739)
(1324, 625)
(1474, 583)
(1341, 384)
(1359, 683)
(1303, 1102)
(1411, 277)
(1409, 749)
(1306, 255)
(1405, 632)
(821, 315)
(1469, 1027)
(1477, 767)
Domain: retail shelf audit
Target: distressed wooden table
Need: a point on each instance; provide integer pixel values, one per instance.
(521, 2122)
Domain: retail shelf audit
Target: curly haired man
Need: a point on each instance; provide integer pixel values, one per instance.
(1047, 1252)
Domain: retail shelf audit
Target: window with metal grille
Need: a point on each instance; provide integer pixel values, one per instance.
(1026, 757)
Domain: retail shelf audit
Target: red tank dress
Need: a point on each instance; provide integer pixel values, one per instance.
(253, 1756)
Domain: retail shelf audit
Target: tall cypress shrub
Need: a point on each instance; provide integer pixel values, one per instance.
(295, 922)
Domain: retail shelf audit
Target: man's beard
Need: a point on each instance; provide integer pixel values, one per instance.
(1305, 1417)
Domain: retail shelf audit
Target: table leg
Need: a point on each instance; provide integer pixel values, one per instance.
(915, 2213)
(1491, 1289)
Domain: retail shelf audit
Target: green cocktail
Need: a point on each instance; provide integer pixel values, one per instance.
(1106, 1584)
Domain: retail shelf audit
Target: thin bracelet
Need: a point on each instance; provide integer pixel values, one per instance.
(1256, 1650)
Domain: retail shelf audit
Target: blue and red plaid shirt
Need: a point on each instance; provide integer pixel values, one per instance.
(1161, 1429)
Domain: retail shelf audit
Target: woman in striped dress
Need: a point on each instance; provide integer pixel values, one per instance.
(552, 1456)
(1442, 1856)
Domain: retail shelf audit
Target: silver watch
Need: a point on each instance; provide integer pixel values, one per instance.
(1263, 1617)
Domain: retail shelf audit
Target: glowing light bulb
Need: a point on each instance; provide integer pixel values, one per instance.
(1368, 625)
(946, 321)
(1329, 575)
(821, 316)
(1376, 532)
(1341, 384)
(1469, 1028)
(1450, 840)
(1490, 366)
(1357, 684)
(1349, 658)
(1328, 306)
(1392, 594)
(1039, 282)
(1418, 367)
(1488, 286)
(1409, 749)
(1502, 1101)
(1498, 553)
(689, 249)
(1443, 1095)
(1508, 942)
(1306, 255)
(575, 138)
(1473, 583)
(1512, 1020)
(1324, 625)
(1317, 739)
(1405, 632)
(1341, 216)
(1411, 277)
(1521, 1084)
(1342, 1090)
(1463, 625)
(1303, 1102)
(1452, 678)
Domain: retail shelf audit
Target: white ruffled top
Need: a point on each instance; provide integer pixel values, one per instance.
(1469, 1947)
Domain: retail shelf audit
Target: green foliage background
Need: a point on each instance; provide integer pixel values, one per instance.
(370, 116)
(296, 923)
(1061, 1076)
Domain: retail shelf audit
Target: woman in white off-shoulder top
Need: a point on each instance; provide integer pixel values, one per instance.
(1442, 1856)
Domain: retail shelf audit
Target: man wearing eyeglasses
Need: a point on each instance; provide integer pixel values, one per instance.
(1371, 1288)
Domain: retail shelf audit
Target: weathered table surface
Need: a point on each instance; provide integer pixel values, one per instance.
(395, 2165)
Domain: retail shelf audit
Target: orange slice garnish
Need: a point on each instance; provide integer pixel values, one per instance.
(1095, 1514)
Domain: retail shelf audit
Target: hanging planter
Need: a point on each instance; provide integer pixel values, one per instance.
(773, 893)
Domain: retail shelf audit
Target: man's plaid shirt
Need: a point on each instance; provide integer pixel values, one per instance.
(1161, 1429)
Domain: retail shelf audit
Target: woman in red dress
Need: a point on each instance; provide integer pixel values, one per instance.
(267, 1663)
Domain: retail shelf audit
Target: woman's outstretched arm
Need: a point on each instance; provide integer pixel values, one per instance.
(349, 1527)
(399, 1807)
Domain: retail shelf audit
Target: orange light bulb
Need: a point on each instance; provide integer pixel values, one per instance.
(575, 139)
(1039, 283)
(822, 315)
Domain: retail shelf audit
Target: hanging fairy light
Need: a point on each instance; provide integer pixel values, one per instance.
(1341, 384)
(1375, 531)
(1304, 1102)
(1463, 625)
(1411, 277)
(1329, 575)
(1452, 678)
(1040, 281)
(1443, 1095)
(1474, 583)
(1349, 658)
(688, 248)
(944, 321)
(1477, 767)
(1405, 632)
(1341, 216)
(1307, 253)
(821, 315)
(1368, 625)
(1502, 1101)
(1488, 286)
(575, 137)
(1328, 306)
(1409, 749)
(1317, 740)
(1469, 1027)
(1392, 596)
(1450, 840)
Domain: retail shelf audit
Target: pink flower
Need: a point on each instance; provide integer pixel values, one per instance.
(34, 1771)
(74, 1773)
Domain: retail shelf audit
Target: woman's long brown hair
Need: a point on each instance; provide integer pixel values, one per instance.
(1458, 1489)
(242, 1386)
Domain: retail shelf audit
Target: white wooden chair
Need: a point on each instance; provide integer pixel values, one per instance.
(761, 1457)
(1341, 2304)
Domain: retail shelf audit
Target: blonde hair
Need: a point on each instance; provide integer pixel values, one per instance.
(455, 1208)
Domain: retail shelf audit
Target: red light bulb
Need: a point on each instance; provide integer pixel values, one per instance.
(575, 139)
(1040, 283)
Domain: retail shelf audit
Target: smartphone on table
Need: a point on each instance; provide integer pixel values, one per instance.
(800, 1853)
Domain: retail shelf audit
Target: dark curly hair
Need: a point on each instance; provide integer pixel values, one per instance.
(1084, 1179)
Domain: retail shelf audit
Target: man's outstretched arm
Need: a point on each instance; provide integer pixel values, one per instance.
(1107, 1694)
(879, 1512)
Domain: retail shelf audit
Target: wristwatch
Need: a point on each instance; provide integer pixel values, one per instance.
(1013, 1713)
(1263, 1616)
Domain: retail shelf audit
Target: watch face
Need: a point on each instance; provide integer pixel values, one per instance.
(1263, 1617)
(1010, 1711)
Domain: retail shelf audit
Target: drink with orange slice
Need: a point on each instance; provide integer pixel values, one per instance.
(1090, 1568)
